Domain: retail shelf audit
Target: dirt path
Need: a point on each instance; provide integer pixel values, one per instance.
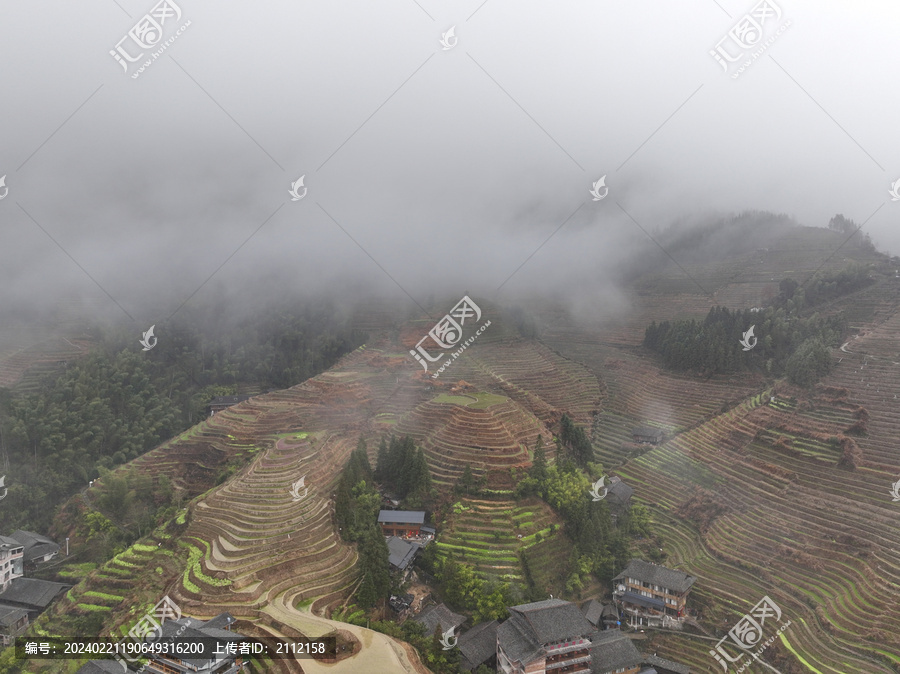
(380, 654)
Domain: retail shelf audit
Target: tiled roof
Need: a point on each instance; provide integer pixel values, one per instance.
(400, 552)
(618, 489)
(655, 574)
(613, 650)
(478, 645)
(517, 645)
(531, 626)
(591, 610)
(439, 615)
(7, 542)
(552, 620)
(221, 621)
(663, 665)
(35, 545)
(401, 517)
(10, 615)
(31, 592)
(190, 628)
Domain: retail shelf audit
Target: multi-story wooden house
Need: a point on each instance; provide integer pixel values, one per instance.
(545, 636)
(650, 590)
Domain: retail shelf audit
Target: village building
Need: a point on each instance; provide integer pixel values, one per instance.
(663, 666)
(601, 616)
(31, 595)
(224, 402)
(618, 496)
(545, 636)
(651, 591)
(401, 522)
(38, 549)
(439, 616)
(11, 561)
(478, 646)
(648, 435)
(614, 653)
(401, 555)
(13, 621)
(219, 662)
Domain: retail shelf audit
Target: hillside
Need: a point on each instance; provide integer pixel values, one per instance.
(751, 496)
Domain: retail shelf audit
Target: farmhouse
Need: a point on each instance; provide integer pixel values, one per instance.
(30, 594)
(614, 653)
(478, 646)
(618, 496)
(13, 621)
(601, 616)
(439, 616)
(37, 549)
(663, 666)
(550, 635)
(11, 559)
(221, 661)
(224, 402)
(401, 522)
(401, 554)
(653, 591)
(648, 435)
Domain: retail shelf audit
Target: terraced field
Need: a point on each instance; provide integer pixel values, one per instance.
(750, 498)
(38, 359)
(486, 433)
(277, 564)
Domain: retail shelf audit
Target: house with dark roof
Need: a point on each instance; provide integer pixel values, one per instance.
(663, 666)
(439, 616)
(401, 554)
(478, 646)
(401, 522)
(618, 496)
(648, 590)
(601, 616)
(224, 402)
(37, 548)
(31, 594)
(549, 635)
(13, 621)
(11, 560)
(614, 653)
(221, 661)
(648, 435)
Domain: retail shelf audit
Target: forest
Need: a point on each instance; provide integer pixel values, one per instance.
(118, 402)
(790, 337)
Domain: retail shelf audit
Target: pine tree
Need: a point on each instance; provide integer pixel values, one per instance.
(366, 596)
(381, 467)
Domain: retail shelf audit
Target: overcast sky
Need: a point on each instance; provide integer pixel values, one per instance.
(446, 167)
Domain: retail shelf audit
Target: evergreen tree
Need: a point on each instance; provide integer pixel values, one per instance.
(366, 596)
(381, 467)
